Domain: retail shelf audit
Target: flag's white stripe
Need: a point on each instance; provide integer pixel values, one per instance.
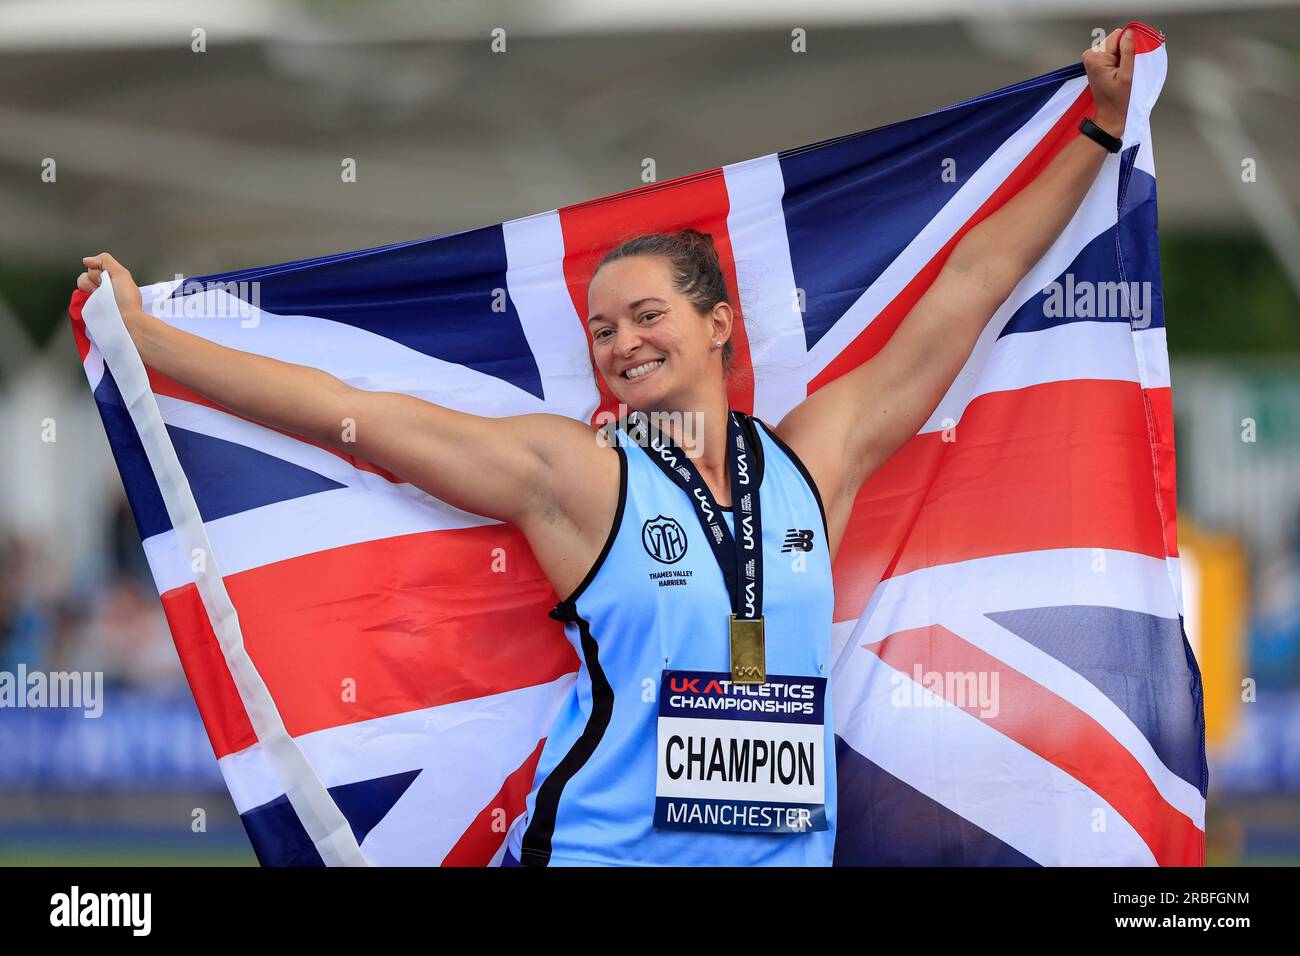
(981, 184)
(1151, 345)
(1176, 573)
(978, 773)
(1148, 78)
(299, 526)
(1145, 160)
(1063, 353)
(344, 754)
(94, 366)
(360, 358)
(1079, 350)
(249, 778)
(765, 276)
(1061, 576)
(959, 595)
(535, 276)
(458, 778)
(321, 818)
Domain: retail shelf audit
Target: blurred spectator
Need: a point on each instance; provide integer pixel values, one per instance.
(118, 628)
(29, 586)
(126, 636)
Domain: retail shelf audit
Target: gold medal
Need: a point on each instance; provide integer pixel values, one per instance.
(748, 650)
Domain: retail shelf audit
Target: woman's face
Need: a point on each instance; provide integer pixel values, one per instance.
(640, 324)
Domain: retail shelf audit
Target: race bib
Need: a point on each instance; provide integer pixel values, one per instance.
(743, 758)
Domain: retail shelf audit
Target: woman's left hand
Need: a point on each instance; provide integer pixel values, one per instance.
(1110, 74)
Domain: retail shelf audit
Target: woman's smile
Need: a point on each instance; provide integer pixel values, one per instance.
(644, 370)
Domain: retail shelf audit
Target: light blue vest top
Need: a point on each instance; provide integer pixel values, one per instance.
(593, 796)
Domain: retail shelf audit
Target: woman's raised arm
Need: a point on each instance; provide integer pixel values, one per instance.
(850, 427)
(519, 469)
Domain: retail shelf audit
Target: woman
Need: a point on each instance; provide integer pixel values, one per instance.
(699, 590)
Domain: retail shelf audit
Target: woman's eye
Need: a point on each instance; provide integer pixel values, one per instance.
(606, 333)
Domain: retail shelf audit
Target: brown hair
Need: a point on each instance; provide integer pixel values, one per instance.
(696, 271)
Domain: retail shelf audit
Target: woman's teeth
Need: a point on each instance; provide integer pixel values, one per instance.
(643, 369)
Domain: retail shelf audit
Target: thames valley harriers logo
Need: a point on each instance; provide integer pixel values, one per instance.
(664, 539)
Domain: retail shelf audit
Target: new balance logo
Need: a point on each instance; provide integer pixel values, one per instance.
(797, 539)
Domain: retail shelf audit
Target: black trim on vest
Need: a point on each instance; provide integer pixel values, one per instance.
(536, 848)
(566, 609)
(812, 485)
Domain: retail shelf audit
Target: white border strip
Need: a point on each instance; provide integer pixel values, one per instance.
(320, 816)
(1151, 353)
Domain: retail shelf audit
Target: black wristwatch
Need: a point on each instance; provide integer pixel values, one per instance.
(1098, 135)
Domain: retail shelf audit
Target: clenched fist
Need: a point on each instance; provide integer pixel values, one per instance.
(1110, 75)
(125, 291)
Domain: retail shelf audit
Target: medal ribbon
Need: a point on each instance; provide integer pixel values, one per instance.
(740, 556)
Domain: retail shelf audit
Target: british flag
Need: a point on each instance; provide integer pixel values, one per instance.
(377, 670)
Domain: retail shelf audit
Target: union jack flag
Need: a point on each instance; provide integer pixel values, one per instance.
(377, 670)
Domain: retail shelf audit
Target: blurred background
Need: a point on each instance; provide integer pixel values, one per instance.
(203, 137)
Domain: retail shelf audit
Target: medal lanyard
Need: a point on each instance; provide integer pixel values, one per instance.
(742, 552)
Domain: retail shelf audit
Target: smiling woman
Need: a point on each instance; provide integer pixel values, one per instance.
(670, 620)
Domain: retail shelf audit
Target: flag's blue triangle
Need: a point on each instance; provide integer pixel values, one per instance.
(1143, 663)
(882, 821)
(278, 836)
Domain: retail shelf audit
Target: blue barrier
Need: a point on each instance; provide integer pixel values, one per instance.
(1264, 754)
(141, 741)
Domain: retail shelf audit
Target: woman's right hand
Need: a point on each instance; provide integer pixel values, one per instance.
(125, 291)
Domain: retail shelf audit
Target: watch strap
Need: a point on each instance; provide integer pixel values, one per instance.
(1098, 135)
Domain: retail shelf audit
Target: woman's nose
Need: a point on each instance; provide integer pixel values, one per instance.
(625, 343)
